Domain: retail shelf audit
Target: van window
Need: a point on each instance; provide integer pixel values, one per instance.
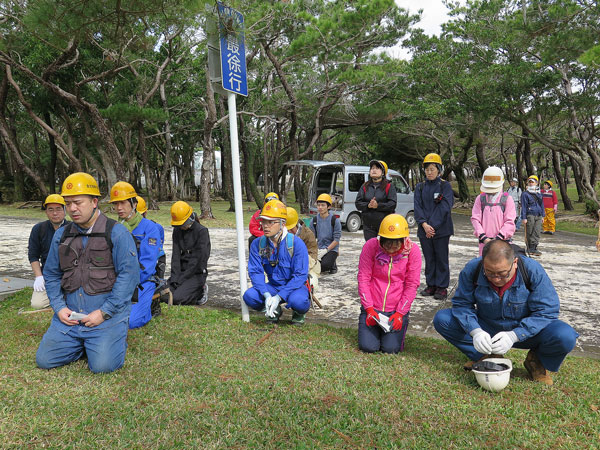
(324, 180)
(355, 181)
(400, 185)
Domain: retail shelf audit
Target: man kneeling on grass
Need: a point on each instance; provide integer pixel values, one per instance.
(504, 300)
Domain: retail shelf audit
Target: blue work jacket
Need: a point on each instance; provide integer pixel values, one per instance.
(532, 204)
(289, 274)
(148, 245)
(117, 302)
(433, 204)
(520, 310)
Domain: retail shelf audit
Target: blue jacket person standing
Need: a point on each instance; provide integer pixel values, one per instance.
(147, 242)
(433, 205)
(284, 258)
(504, 301)
(92, 270)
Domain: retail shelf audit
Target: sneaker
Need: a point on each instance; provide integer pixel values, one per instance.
(469, 364)
(428, 291)
(440, 294)
(204, 297)
(297, 318)
(536, 252)
(536, 370)
(274, 320)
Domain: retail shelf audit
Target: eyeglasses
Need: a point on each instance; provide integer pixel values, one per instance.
(499, 275)
(268, 223)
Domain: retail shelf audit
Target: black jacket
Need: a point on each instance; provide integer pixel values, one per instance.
(191, 250)
(386, 202)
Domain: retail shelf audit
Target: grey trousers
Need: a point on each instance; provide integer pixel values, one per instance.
(534, 228)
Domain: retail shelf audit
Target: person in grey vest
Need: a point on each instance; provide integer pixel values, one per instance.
(515, 192)
(91, 273)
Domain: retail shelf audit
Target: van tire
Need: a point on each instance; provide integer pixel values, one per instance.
(410, 218)
(353, 222)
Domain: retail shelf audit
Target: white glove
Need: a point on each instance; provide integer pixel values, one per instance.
(322, 252)
(482, 341)
(503, 341)
(38, 284)
(271, 305)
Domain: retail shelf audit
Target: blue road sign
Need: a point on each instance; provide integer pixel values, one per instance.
(233, 50)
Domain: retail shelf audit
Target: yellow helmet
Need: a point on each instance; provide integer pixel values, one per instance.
(180, 211)
(80, 183)
(141, 206)
(534, 177)
(325, 198)
(271, 196)
(121, 190)
(54, 198)
(381, 164)
(432, 158)
(274, 209)
(393, 226)
(549, 182)
(292, 218)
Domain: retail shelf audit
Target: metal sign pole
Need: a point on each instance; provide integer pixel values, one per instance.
(237, 193)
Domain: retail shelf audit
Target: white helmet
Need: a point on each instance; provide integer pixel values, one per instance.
(493, 180)
(495, 377)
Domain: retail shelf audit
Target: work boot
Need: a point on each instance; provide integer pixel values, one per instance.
(536, 370)
(469, 364)
(155, 309)
(428, 291)
(204, 297)
(333, 270)
(440, 294)
(274, 320)
(536, 252)
(297, 318)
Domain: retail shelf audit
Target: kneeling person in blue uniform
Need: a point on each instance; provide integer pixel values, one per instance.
(147, 241)
(502, 301)
(284, 258)
(91, 270)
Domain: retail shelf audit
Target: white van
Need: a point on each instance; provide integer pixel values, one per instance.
(342, 182)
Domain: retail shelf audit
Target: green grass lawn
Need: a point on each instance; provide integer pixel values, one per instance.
(199, 378)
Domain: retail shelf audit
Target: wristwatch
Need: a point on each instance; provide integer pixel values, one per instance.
(105, 316)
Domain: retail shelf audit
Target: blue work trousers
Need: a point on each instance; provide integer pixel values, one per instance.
(298, 300)
(437, 266)
(374, 339)
(141, 311)
(105, 347)
(551, 344)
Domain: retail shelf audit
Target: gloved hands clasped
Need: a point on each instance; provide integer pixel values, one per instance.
(271, 304)
(39, 285)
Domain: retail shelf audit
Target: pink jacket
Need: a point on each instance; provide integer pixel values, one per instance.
(492, 222)
(388, 283)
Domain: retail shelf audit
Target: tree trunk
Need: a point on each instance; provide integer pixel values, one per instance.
(577, 176)
(226, 169)
(53, 152)
(561, 182)
(164, 191)
(527, 153)
(208, 149)
(519, 158)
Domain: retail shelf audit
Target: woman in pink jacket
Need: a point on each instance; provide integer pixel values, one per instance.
(493, 215)
(389, 273)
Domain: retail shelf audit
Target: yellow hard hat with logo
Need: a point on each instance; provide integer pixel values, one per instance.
(54, 198)
(393, 226)
(325, 198)
(432, 158)
(271, 196)
(274, 209)
(142, 207)
(292, 218)
(120, 191)
(80, 183)
(381, 164)
(180, 211)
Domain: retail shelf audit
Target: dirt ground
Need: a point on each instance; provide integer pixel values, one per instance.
(570, 259)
